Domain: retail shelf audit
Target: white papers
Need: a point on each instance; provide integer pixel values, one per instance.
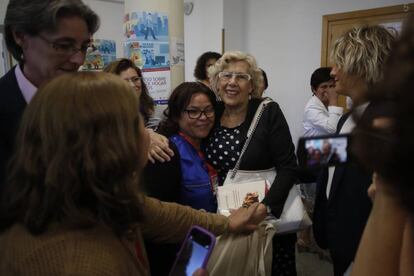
(231, 196)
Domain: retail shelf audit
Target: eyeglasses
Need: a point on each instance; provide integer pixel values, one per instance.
(196, 114)
(67, 49)
(134, 80)
(239, 77)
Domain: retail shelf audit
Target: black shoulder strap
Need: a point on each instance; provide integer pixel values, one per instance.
(341, 122)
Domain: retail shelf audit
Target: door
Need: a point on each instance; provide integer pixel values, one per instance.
(334, 25)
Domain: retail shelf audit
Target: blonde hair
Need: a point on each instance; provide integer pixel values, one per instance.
(234, 56)
(363, 51)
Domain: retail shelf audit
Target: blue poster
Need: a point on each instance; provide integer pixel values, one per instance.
(100, 53)
(146, 26)
(147, 44)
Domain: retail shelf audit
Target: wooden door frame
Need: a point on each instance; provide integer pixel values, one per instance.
(328, 19)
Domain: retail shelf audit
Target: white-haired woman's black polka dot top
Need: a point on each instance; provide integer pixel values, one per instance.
(223, 149)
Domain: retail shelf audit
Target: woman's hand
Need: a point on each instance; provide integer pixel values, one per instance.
(159, 148)
(245, 220)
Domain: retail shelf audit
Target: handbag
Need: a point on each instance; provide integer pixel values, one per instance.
(243, 255)
(294, 216)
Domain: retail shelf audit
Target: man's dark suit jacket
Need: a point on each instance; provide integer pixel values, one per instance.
(12, 105)
(339, 221)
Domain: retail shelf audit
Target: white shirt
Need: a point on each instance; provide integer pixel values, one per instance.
(318, 120)
(27, 88)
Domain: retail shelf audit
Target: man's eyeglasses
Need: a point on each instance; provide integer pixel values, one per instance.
(239, 77)
(134, 80)
(196, 113)
(65, 48)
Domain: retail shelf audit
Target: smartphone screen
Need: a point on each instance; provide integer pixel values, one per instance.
(329, 150)
(194, 252)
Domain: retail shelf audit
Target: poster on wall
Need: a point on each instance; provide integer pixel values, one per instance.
(148, 55)
(132, 50)
(177, 51)
(100, 53)
(158, 83)
(147, 44)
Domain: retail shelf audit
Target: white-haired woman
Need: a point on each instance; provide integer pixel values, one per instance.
(235, 78)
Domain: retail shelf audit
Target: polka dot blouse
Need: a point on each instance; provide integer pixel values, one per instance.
(223, 149)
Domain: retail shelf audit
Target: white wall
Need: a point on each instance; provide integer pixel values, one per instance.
(235, 24)
(202, 32)
(285, 37)
(3, 7)
(2, 55)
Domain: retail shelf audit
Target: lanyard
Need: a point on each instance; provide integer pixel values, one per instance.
(212, 173)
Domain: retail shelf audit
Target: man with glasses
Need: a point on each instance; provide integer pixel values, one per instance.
(47, 38)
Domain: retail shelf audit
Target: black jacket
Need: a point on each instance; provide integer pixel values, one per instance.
(271, 146)
(163, 181)
(339, 221)
(12, 105)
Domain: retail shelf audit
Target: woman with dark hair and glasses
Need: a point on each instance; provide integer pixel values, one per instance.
(187, 179)
(128, 71)
(190, 116)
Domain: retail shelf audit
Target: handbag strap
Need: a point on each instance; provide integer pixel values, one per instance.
(250, 132)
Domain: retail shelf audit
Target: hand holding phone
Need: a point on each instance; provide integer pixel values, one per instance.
(194, 252)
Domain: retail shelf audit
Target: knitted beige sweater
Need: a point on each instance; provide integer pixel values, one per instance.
(97, 251)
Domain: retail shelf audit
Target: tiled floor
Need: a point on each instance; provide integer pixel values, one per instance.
(309, 264)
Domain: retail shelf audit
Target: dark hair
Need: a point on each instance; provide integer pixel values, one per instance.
(34, 16)
(390, 150)
(146, 102)
(178, 102)
(200, 68)
(78, 156)
(266, 84)
(319, 76)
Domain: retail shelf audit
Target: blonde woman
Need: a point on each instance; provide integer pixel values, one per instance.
(235, 79)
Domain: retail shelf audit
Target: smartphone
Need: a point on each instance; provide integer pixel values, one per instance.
(194, 252)
(324, 151)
